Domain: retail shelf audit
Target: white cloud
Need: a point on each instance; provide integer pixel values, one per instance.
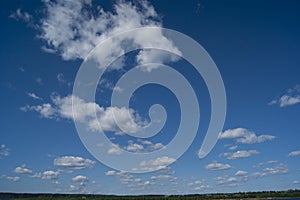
(13, 178)
(46, 110)
(294, 153)
(157, 164)
(49, 174)
(258, 174)
(291, 98)
(244, 136)
(20, 15)
(241, 173)
(278, 169)
(4, 151)
(135, 147)
(242, 154)
(296, 182)
(23, 170)
(80, 179)
(73, 162)
(202, 187)
(34, 96)
(72, 107)
(233, 147)
(217, 166)
(110, 173)
(115, 149)
(226, 180)
(61, 79)
(68, 30)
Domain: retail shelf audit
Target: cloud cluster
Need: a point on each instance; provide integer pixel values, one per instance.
(244, 136)
(94, 116)
(73, 29)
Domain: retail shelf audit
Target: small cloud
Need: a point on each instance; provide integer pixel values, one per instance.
(244, 136)
(39, 81)
(45, 110)
(13, 178)
(241, 173)
(114, 150)
(294, 153)
(233, 147)
(278, 169)
(73, 162)
(81, 180)
(4, 151)
(226, 180)
(49, 174)
(23, 169)
(290, 98)
(296, 182)
(241, 154)
(20, 15)
(34, 96)
(61, 79)
(21, 69)
(217, 166)
(156, 164)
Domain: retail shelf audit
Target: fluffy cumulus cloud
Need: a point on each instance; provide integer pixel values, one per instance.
(73, 162)
(217, 166)
(244, 136)
(290, 98)
(73, 28)
(94, 116)
(294, 153)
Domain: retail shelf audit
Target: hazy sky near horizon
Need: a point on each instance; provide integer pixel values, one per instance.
(255, 45)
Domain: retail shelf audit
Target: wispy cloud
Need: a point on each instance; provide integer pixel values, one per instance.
(20, 15)
(34, 96)
(244, 136)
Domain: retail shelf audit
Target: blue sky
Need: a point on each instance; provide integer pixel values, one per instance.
(255, 45)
